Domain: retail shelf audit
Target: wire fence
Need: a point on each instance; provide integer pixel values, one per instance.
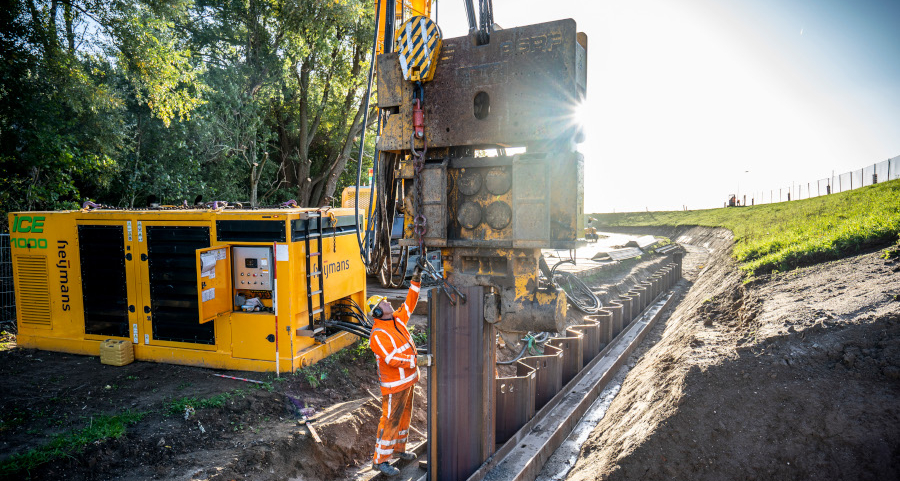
(7, 292)
(869, 175)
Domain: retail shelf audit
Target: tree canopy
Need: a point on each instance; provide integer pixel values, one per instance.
(119, 102)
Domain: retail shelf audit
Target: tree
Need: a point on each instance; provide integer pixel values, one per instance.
(119, 101)
(71, 68)
(296, 64)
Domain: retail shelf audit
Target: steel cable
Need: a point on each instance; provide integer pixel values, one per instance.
(577, 292)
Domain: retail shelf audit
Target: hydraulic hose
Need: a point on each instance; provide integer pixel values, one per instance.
(530, 341)
(362, 144)
(578, 293)
(351, 328)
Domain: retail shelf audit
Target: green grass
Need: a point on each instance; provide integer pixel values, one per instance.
(783, 236)
(70, 442)
(178, 405)
(336, 364)
(7, 340)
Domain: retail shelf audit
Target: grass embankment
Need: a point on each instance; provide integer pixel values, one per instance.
(783, 236)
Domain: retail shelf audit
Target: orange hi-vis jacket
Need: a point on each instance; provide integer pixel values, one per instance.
(394, 347)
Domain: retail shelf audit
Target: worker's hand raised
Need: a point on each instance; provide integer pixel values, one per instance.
(417, 272)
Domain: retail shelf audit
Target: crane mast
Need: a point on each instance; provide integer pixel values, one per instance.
(510, 91)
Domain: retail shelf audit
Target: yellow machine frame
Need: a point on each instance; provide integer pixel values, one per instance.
(50, 295)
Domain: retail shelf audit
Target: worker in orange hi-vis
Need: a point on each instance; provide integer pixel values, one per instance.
(398, 371)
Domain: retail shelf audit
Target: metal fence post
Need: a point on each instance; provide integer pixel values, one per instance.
(7, 290)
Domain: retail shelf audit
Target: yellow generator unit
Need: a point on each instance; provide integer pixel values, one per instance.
(216, 288)
(348, 200)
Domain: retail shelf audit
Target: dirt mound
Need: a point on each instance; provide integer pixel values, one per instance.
(794, 376)
(346, 430)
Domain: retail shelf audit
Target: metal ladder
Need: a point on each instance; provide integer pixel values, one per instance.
(312, 274)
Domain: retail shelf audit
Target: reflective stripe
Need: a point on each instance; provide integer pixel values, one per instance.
(389, 405)
(426, 52)
(378, 341)
(403, 433)
(393, 344)
(402, 372)
(405, 308)
(391, 443)
(383, 451)
(414, 288)
(401, 381)
(397, 351)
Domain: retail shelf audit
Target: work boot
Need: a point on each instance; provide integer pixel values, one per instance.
(387, 469)
(406, 455)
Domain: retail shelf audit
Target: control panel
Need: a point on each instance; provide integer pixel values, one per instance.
(252, 268)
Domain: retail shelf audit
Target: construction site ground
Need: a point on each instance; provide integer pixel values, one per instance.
(791, 376)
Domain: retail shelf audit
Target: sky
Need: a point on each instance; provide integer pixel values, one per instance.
(689, 101)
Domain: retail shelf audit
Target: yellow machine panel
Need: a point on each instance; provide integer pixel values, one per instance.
(204, 287)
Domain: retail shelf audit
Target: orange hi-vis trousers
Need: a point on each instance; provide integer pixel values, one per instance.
(393, 429)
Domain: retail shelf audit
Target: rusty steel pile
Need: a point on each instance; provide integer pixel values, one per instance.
(539, 378)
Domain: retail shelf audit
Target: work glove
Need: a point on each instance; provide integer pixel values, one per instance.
(424, 360)
(417, 272)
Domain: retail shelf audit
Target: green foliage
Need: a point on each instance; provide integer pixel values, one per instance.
(419, 337)
(176, 407)
(892, 252)
(120, 101)
(71, 442)
(336, 364)
(783, 236)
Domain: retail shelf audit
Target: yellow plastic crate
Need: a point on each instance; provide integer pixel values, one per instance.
(116, 352)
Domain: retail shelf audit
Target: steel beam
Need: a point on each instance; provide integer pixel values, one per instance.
(461, 426)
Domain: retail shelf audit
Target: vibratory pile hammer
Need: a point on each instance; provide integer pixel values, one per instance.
(443, 103)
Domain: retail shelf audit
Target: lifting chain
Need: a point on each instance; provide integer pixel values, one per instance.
(420, 222)
(452, 292)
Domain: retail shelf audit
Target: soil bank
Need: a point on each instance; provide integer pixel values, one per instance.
(793, 376)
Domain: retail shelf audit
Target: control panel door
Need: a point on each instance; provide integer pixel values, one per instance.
(214, 282)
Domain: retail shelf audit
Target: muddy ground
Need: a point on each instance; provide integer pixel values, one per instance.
(793, 376)
(237, 430)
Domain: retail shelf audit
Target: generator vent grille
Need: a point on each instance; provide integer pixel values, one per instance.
(34, 292)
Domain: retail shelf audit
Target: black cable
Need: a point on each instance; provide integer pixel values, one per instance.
(362, 139)
(351, 310)
(486, 20)
(352, 331)
(539, 339)
(577, 292)
(349, 327)
(361, 312)
(353, 315)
